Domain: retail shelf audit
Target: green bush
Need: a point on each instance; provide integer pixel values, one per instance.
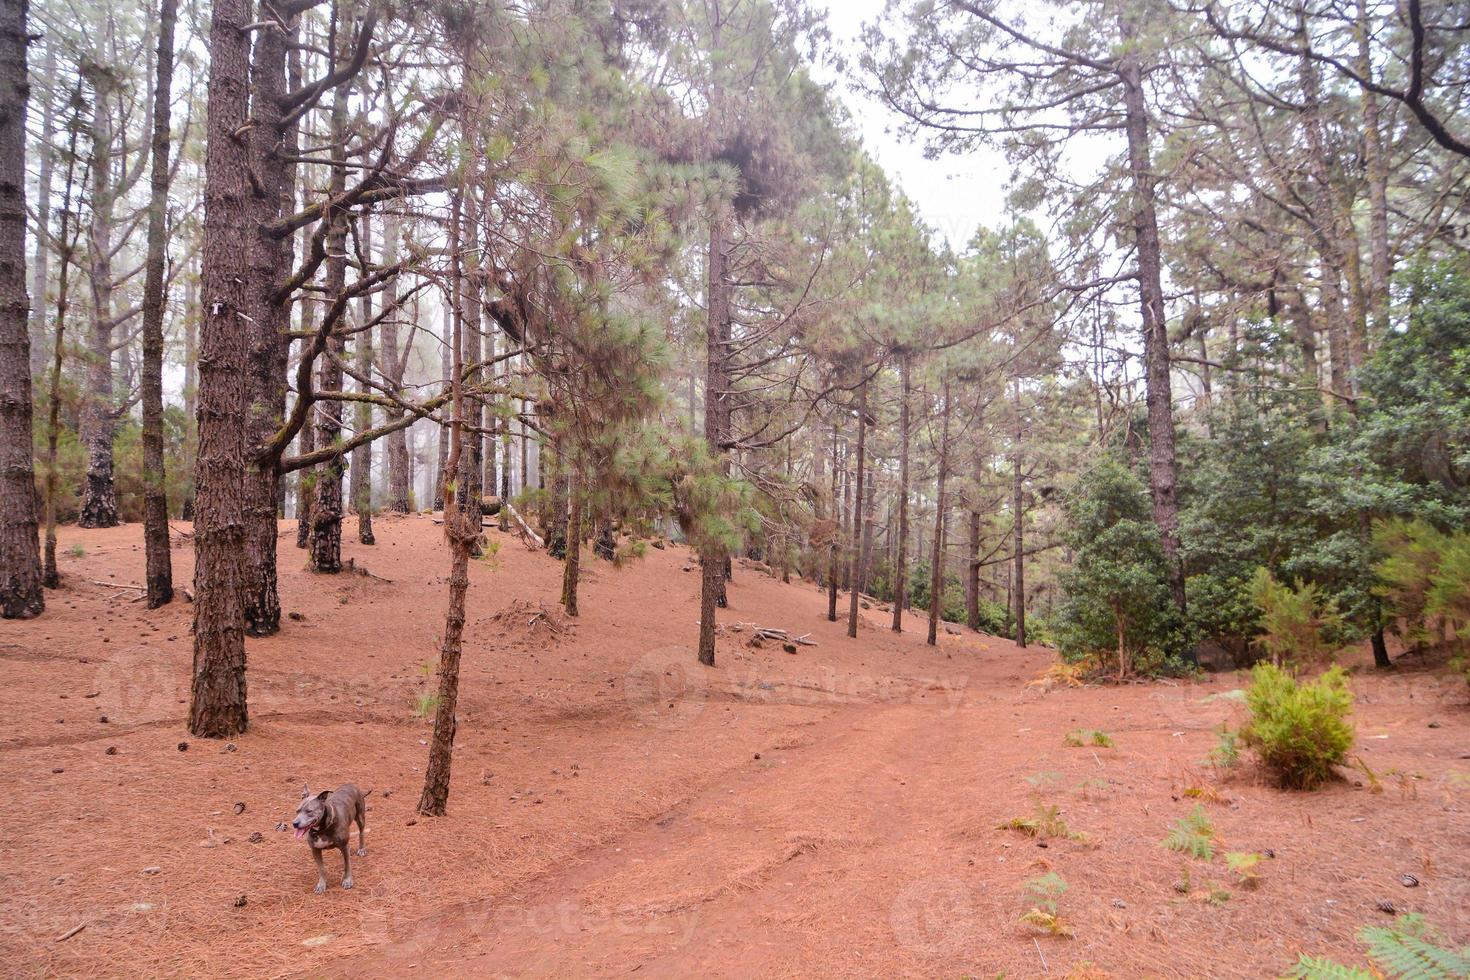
(1300, 731)
(1299, 623)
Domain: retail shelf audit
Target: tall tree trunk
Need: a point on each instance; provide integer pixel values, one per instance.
(716, 429)
(21, 595)
(460, 535)
(99, 493)
(572, 567)
(306, 442)
(360, 474)
(445, 366)
(471, 469)
(326, 509)
(901, 564)
(395, 365)
(856, 576)
(972, 554)
(941, 505)
(50, 577)
(1018, 556)
(1163, 479)
(159, 569)
(1376, 164)
(218, 696)
(42, 255)
(832, 547)
(273, 144)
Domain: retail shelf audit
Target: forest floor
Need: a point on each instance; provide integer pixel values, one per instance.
(616, 808)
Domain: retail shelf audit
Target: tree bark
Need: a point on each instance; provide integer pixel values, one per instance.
(326, 510)
(459, 533)
(856, 576)
(50, 577)
(395, 366)
(441, 474)
(1018, 515)
(900, 567)
(21, 596)
(306, 442)
(832, 547)
(159, 576)
(572, 567)
(99, 492)
(45, 167)
(1163, 479)
(360, 473)
(218, 695)
(716, 429)
(941, 504)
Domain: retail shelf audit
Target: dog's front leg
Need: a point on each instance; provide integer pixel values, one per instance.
(321, 872)
(347, 866)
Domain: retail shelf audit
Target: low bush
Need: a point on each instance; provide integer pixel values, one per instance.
(1299, 730)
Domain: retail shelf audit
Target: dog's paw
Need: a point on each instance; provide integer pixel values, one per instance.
(346, 882)
(321, 888)
(362, 852)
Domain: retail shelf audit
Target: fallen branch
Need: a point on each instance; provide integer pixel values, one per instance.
(70, 932)
(526, 532)
(120, 585)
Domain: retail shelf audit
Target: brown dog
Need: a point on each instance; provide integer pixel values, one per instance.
(325, 820)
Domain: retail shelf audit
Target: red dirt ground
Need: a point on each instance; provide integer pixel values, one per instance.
(617, 808)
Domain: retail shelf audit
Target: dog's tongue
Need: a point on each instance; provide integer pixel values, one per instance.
(300, 832)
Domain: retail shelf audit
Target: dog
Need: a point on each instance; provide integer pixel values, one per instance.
(325, 820)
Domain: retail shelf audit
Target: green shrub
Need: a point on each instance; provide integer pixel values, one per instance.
(1298, 622)
(1300, 731)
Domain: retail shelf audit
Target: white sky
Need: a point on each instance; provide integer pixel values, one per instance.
(954, 194)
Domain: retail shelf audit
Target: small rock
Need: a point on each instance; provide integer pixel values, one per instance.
(183, 746)
(239, 808)
(239, 901)
(58, 770)
(229, 746)
(295, 615)
(112, 750)
(1434, 724)
(387, 793)
(410, 823)
(152, 870)
(789, 647)
(317, 940)
(102, 719)
(256, 837)
(1118, 903)
(757, 755)
(280, 826)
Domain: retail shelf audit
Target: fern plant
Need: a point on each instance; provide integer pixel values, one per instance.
(1045, 894)
(1045, 823)
(1193, 834)
(1088, 736)
(1407, 950)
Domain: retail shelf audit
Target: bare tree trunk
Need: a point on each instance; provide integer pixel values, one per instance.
(972, 556)
(857, 524)
(306, 442)
(40, 260)
(460, 534)
(218, 696)
(901, 564)
(445, 365)
(159, 569)
(572, 567)
(712, 555)
(99, 493)
(1018, 515)
(941, 505)
(1163, 478)
(21, 595)
(360, 474)
(395, 365)
(50, 577)
(1376, 164)
(832, 547)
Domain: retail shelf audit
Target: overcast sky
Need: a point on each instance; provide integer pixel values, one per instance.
(955, 193)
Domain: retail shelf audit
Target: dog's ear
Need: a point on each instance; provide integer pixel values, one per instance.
(323, 795)
(305, 791)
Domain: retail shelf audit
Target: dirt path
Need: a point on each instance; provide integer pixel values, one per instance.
(610, 815)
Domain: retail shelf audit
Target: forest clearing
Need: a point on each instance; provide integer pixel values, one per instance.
(735, 488)
(833, 811)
